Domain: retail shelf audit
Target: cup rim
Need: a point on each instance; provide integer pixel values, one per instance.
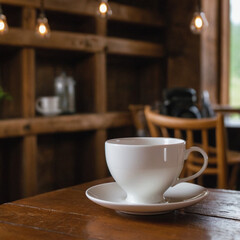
(155, 141)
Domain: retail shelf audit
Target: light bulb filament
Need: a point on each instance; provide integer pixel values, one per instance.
(42, 29)
(198, 22)
(103, 8)
(2, 25)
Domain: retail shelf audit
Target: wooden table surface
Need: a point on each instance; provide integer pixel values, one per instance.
(67, 214)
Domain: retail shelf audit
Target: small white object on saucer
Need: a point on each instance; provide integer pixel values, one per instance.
(110, 195)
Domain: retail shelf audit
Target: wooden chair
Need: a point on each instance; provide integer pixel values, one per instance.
(219, 156)
(139, 121)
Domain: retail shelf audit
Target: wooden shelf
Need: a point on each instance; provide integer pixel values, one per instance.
(135, 48)
(115, 62)
(82, 42)
(58, 40)
(89, 8)
(67, 123)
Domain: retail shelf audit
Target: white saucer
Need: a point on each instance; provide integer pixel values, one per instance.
(110, 195)
(51, 113)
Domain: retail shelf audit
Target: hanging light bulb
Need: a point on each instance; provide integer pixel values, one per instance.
(3, 22)
(199, 21)
(104, 9)
(42, 28)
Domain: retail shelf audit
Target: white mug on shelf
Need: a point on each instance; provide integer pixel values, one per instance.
(145, 167)
(48, 106)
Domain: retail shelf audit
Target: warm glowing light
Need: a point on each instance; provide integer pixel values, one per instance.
(2, 25)
(198, 22)
(103, 8)
(42, 28)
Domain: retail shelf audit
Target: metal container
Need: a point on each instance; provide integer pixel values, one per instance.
(65, 89)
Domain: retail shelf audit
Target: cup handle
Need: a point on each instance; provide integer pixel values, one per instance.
(38, 105)
(205, 157)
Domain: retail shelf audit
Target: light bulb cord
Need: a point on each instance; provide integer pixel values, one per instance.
(199, 6)
(42, 12)
(1, 11)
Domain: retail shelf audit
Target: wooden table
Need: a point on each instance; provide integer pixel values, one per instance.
(68, 214)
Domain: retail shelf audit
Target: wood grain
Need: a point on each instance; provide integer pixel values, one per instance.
(131, 47)
(68, 214)
(224, 51)
(210, 52)
(225, 199)
(29, 166)
(82, 42)
(29, 144)
(100, 93)
(59, 40)
(78, 122)
(183, 47)
(88, 8)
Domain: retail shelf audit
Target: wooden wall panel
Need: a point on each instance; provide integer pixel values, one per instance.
(29, 143)
(152, 80)
(85, 84)
(123, 82)
(29, 166)
(210, 54)
(10, 80)
(10, 165)
(100, 92)
(65, 160)
(183, 47)
(224, 51)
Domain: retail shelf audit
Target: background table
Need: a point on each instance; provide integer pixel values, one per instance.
(68, 214)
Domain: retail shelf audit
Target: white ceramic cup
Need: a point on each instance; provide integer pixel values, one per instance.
(146, 167)
(48, 105)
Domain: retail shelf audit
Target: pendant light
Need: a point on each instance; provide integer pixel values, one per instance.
(104, 9)
(3, 22)
(42, 27)
(199, 20)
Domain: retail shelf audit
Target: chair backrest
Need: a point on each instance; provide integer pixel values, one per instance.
(195, 132)
(139, 121)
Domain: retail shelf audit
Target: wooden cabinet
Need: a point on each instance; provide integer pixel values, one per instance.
(115, 62)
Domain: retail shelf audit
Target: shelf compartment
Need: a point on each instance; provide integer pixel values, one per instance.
(67, 22)
(13, 14)
(135, 31)
(51, 63)
(10, 81)
(10, 163)
(133, 80)
(135, 15)
(61, 159)
(67, 123)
